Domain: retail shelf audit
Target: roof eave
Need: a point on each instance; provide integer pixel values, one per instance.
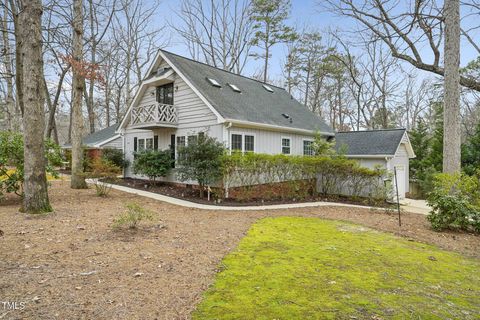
(101, 143)
(276, 128)
(370, 156)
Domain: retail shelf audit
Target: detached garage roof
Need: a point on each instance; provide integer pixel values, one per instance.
(373, 143)
(99, 138)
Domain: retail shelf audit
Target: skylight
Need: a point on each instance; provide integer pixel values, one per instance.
(267, 88)
(214, 82)
(234, 87)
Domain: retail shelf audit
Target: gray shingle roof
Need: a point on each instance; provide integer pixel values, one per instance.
(98, 136)
(372, 142)
(253, 104)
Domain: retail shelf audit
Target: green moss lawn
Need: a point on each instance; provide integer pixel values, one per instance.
(307, 268)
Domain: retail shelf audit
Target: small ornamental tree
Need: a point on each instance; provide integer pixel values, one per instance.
(201, 160)
(322, 147)
(153, 163)
(12, 160)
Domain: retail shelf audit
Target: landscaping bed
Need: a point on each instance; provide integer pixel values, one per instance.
(71, 264)
(264, 194)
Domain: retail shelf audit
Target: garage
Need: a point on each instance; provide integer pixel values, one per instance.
(389, 148)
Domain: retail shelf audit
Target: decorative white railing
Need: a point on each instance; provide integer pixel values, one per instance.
(157, 113)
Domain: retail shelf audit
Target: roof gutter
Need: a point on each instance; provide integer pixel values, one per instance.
(370, 156)
(272, 127)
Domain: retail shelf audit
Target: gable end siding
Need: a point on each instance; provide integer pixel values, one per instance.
(116, 144)
(192, 111)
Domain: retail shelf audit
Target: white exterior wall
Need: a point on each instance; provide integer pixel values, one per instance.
(401, 159)
(372, 163)
(115, 144)
(270, 142)
(194, 116)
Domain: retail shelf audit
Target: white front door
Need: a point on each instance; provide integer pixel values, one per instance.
(400, 181)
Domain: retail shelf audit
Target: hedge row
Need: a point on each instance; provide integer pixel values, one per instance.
(335, 175)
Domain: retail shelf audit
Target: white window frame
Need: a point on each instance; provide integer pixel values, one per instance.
(289, 145)
(245, 142)
(148, 140)
(303, 147)
(144, 140)
(243, 134)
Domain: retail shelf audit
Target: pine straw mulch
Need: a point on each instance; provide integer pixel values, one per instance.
(72, 265)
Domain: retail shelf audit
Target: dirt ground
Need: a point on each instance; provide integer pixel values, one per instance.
(72, 265)
(265, 194)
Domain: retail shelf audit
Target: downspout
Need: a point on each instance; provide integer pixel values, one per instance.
(122, 134)
(227, 128)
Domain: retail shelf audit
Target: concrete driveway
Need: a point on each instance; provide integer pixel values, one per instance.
(416, 206)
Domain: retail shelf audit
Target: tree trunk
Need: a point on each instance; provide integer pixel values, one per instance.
(91, 82)
(35, 198)
(107, 105)
(18, 57)
(451, 114)
(78, 179)
(13, 116)
(53, 105)
(265, 67)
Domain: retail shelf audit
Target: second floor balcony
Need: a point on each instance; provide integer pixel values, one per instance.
(153, 116)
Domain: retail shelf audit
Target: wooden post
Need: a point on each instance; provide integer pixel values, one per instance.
(398, 200)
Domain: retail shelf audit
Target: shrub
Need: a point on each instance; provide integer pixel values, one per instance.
(201, 160)
(104, 173)
(153, 163)
(322, 147)
(115, 156)
(132, 216)
(11, 161)
(455, 202)
(335, 175)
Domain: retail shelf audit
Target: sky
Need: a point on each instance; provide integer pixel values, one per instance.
(304, 14)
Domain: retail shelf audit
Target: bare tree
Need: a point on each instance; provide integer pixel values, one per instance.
(416, 100)
(405, 30)
(138, 36)
(13, 114)
(15, 12)
(35, 198)
(97, 13)
(57, 39)
(217, 32)
(451, 114)
(291, 67)
(77, 179)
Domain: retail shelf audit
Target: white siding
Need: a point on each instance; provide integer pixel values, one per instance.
(116, 144)
(401, 159)
(164, 139)
(270, 142)
(372, 163)
(192, 111)
(129, 137)
(194, 116)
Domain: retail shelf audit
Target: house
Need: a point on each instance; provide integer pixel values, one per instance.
(390, 149)
(181, 98)
(105, 138)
